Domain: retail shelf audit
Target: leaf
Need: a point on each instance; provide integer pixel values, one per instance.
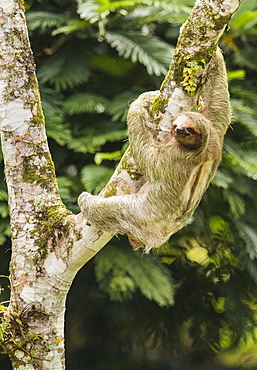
(245, 115)
(249, 235)
(92, 10)
(85, 103)
(72, 26)
(3, 195)
(220, 228)
(41, 20)
(222, 179)
(239, 74)
(5, 230)
(66, 68)
(245, 21)
(137, 11)
(52, 103)
(4, 210)
(91, 140)
(161, 12)
(94, 178)
(240, 161)
(111, 64)
(248, 96)
(65, 184)
(246, 58)
(95, 10)
(150, 51)
(198, 255)
(118, 107)
(236, 203)
(114, 156)
(120, 273)
(59, 131)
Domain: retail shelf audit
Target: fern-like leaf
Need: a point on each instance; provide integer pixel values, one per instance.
(52, 102)
(222, 179)
(120, 273)
(150, 51)
(65, 69)
(113, 156)
(236, 203)
(42, 21)
(72, 26)
(95, 10)
(249, 235)
(85, 103)
(91, 140)
(240, 161)
(94, 178)
(59, 131)
(118, 107)
(245, 115)
(161, 11)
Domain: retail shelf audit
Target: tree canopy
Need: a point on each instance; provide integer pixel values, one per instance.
(93, 58)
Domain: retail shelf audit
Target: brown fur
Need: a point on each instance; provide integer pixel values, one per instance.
(177, 172)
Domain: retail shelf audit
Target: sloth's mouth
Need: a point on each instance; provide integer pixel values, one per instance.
(181, 131)
(182, 134)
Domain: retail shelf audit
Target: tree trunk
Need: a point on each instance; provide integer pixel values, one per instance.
(49, 243)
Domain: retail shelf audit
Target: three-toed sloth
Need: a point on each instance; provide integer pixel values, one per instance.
(177, 172)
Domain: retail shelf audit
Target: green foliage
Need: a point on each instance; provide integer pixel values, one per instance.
(245, 18)
(120, 273)
(249, 235)
(92, 140)
(139, 11)
(94, 178)
(65, 69)
(153, 53)
(85, 103)
(118, 107)
(114, 156)
(42, 21)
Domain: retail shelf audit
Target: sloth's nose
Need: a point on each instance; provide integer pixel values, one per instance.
(181, 131)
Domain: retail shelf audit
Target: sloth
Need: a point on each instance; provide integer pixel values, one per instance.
(176, 172)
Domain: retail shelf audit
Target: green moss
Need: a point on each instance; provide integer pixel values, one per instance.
(166, 81)
(158, 105)
(191, 80)
(16, 340)
(37, 120)
(129, 165)
(186, 70)
(111, 190)
(48, 221)
(39, 169)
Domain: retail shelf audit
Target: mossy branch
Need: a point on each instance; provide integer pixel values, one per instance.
(197, 43)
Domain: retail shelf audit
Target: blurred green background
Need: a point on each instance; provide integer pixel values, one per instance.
(192, 304)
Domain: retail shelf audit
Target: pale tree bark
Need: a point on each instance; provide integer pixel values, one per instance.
(49, 243)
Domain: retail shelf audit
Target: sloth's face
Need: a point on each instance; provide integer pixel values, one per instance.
(186, 132)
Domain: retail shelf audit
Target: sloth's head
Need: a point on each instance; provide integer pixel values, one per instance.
(188, 129)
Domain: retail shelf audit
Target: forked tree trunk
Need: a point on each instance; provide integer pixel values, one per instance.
(49, 243)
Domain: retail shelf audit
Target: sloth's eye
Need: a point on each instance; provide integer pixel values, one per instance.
(191, 130)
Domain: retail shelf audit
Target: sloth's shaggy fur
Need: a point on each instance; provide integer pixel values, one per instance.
(177, 172)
